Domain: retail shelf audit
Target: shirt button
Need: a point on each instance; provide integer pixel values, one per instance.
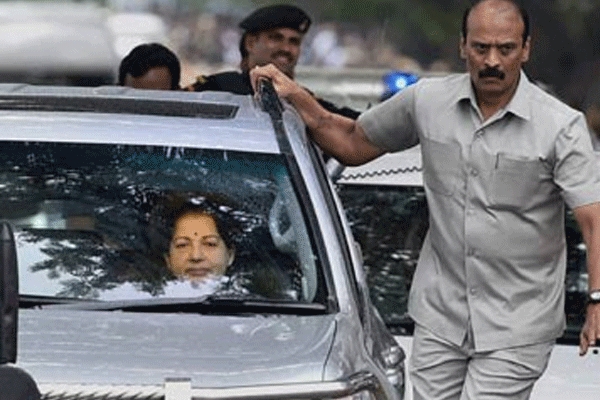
(474, 172)
(473, 292)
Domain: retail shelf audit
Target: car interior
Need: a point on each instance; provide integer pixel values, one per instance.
(90, 220)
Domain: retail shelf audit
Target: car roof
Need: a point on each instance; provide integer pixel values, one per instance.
(114, 114)
(403, 168)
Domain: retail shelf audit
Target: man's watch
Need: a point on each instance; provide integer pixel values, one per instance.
(593, 296)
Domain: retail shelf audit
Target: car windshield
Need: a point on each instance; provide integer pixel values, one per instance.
(390, 223)
(127, 222)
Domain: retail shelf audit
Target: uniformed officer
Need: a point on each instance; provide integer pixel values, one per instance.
(272, 34)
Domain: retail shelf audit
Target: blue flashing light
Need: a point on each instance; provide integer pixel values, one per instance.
(395, 81)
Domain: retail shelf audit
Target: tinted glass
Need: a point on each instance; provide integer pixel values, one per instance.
(97, 221)
(390, 223)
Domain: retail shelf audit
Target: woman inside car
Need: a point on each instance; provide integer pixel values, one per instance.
(206, 239)
(200, 245)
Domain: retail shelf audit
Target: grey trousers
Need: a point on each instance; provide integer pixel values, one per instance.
(440, 370)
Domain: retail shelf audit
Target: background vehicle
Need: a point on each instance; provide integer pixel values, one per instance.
(387, 209)
(88, 175)
(56, 43)
(130, 29)
(357, 88)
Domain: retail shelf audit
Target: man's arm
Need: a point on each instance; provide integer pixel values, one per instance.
(588, 218)
(337, 135)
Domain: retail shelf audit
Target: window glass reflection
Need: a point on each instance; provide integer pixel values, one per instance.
(107, 222)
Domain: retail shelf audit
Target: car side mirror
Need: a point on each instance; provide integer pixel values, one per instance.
(9, 295)
(15, 383)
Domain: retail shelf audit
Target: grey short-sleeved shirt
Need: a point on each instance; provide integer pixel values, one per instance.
(495, 254)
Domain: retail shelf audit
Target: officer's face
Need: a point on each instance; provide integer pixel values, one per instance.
(158, 78)
(280, 46)
(494, 50)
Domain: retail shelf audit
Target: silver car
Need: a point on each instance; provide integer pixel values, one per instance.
(89, 179)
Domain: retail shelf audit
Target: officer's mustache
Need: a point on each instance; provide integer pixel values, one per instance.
(283, 53)
(491, 73)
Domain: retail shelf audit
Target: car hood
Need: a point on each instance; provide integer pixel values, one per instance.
(118, 348)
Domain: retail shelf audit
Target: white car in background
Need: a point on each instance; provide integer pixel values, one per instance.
(386, 206)
(130, 29)
(56, 43)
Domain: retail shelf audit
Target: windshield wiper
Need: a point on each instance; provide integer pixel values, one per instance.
(211, 304)
(33, 301)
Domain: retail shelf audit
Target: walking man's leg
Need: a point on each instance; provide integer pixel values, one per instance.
(506, 374)
(437, 367)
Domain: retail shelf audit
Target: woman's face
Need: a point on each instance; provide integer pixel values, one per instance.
(197, 250)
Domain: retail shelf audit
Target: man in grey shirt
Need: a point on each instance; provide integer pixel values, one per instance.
(501, 159)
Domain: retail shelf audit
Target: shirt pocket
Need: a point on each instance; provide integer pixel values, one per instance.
(441, 166)
(517, 182)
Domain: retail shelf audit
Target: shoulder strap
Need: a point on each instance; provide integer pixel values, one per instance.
(230, 81)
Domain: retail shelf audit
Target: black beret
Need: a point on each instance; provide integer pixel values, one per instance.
(276, 16)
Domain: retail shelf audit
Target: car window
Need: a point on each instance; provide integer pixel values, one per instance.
(95, 221)
(390, 223)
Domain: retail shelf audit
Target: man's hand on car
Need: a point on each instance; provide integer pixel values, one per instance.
(590, 333)
(284, 85)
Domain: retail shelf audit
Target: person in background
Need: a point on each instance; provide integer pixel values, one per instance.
(501, 159)
(272, 35)
(150, 66)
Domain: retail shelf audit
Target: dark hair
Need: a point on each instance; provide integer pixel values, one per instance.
(522, 11)
(243, 53)
(147, 56)
(223, 223)
(168, 209)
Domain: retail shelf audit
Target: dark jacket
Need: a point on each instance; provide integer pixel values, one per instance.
(239, 83)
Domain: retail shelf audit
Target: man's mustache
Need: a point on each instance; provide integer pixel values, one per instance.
(491, 73)
(284, 53)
